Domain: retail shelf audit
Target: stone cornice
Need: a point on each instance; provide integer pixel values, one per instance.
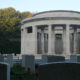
(70, 11)
(51, 18)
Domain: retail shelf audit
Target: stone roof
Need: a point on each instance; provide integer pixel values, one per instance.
(58, 14)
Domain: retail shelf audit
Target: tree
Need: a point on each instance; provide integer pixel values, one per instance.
(10, 23)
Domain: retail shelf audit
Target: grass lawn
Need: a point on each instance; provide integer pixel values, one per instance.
(19, 73)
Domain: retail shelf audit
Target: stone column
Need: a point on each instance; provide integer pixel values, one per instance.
(78, 43)
(42, 41)
(22, 40)
(46, 42)
(50, 39)
(53, 42)
(75, 41)
(35, 39)
(67, 41)
(64, 41)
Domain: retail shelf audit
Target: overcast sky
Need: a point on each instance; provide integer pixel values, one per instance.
(41, 5)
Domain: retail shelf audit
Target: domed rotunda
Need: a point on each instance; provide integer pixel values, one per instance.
(51, 33)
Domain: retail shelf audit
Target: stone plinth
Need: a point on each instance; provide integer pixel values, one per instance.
(1, 58)
(59, 71)
(28, 61)
(10, 59)
(52, 58)
(4, 71)
(75, 58)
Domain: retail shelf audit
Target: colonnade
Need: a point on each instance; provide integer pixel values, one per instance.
(66, 39)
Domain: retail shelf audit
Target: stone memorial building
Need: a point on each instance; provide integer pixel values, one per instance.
(52, 33)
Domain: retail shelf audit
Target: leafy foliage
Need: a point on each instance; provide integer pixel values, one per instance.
(10, 23)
